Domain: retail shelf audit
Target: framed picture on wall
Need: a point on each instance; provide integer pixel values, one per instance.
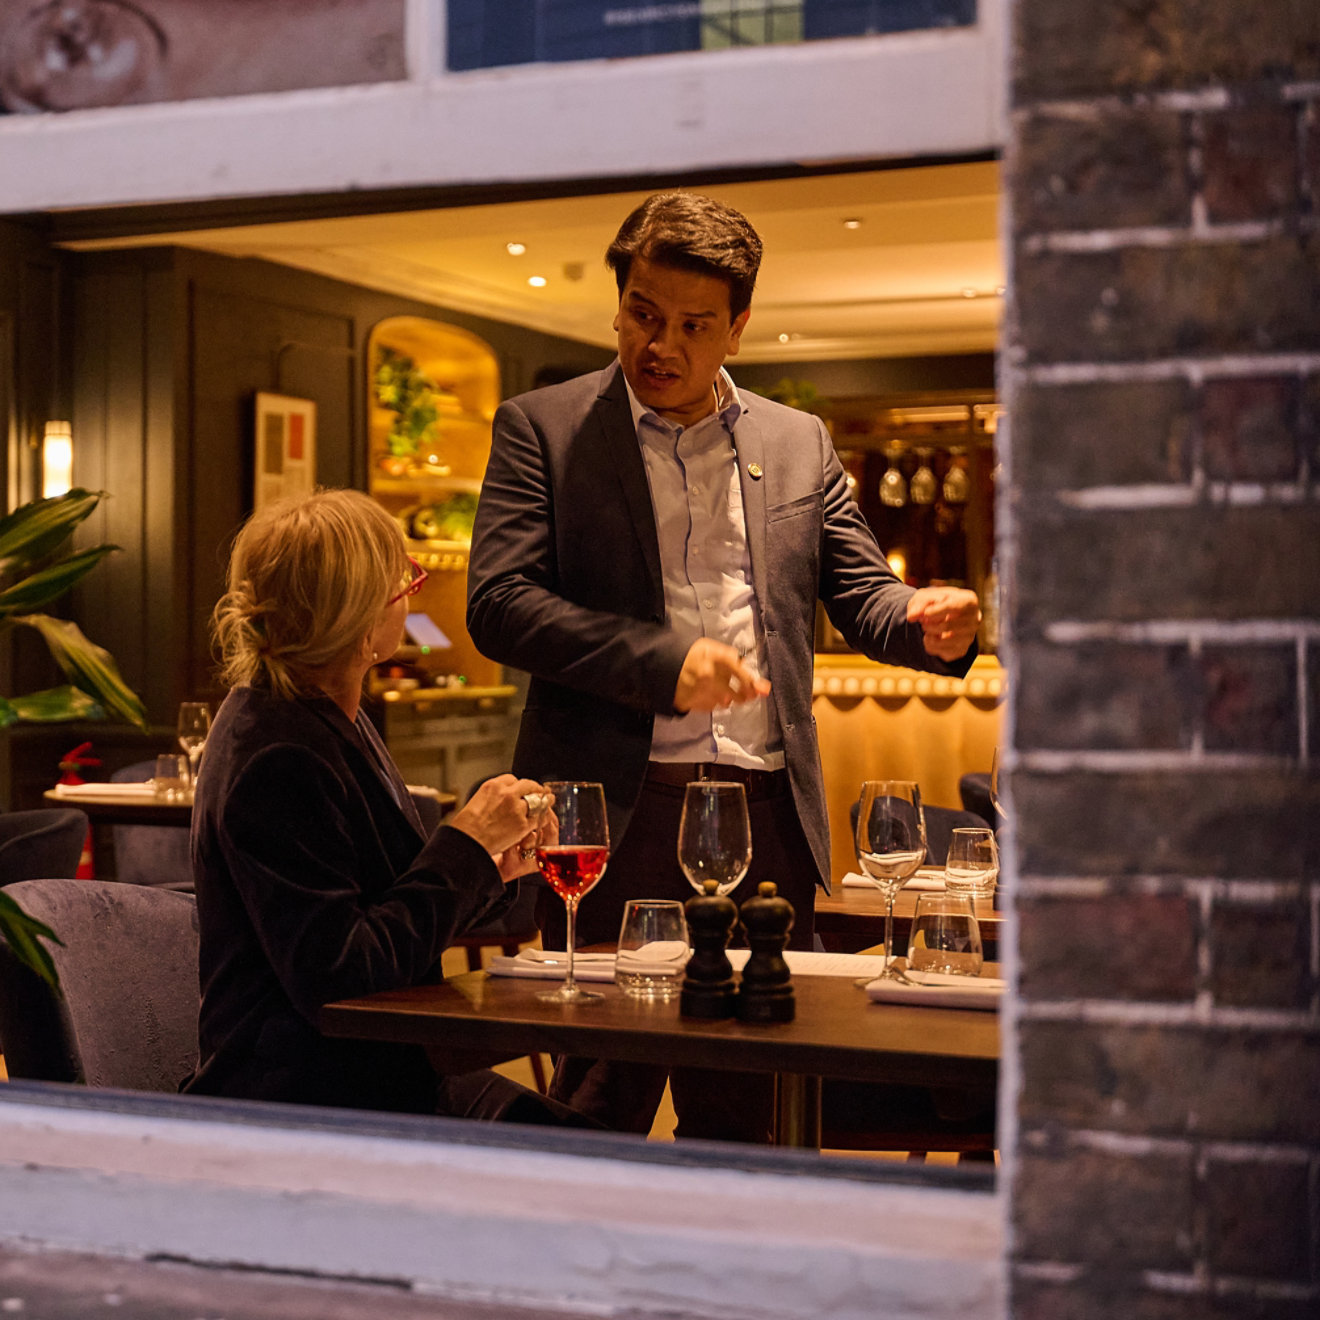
(285, 459)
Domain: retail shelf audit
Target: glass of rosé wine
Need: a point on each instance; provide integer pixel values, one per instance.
(572, 850)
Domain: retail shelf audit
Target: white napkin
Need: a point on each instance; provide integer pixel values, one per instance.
(131, 790)
(552, 965)
(940, 990)
(927, 877)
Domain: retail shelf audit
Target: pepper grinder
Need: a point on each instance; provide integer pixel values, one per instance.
(708, 987)
(766, 993)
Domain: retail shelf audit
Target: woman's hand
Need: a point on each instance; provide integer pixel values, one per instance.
(506, 816)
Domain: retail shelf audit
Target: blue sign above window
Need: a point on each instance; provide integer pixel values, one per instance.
(488, 33)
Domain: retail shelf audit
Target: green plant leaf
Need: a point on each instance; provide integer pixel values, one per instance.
(50, 583)
(23, 934)
(54, 705)
(90, 667)
(38, 528)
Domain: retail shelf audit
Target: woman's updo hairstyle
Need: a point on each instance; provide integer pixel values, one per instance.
(308, 578)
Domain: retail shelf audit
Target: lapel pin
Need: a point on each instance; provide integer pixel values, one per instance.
(754, 471)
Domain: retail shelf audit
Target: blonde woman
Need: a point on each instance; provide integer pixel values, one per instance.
(315, 880)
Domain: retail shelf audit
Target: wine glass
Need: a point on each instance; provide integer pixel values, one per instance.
(995, 800)
(714, 834)
(891, 845)
(972, 862)
(194, 725)
(572, 851)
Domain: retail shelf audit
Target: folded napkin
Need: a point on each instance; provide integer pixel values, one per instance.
(552, 965)
(939, 990)
(131, 790)
(927, 877)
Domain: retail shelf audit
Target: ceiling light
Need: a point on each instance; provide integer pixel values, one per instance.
(852, 222)
(537, 281)
(999, 290)
(783, 339)
(515, 249)
(969, 293)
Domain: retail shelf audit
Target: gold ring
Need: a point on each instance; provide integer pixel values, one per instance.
(527, 853)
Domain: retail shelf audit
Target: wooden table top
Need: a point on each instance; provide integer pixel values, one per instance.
(851, 918)
(837, 1031)
(119, 809)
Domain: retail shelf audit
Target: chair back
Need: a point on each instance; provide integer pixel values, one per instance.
(157, 856)
(40, 843)
(126, 1012)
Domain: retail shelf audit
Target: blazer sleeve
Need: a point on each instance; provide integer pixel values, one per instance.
(519, 609)
(315, 882)
(864, 599)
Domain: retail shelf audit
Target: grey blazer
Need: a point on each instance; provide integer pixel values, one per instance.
(564, 583)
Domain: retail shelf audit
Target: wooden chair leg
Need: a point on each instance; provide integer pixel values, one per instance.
(538, 1073)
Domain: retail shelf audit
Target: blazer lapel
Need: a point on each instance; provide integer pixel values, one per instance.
(624, 455)
(749, 453)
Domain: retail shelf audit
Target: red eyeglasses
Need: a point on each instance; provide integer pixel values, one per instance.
(419, 575)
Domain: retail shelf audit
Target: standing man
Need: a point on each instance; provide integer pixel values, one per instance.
(650, 546)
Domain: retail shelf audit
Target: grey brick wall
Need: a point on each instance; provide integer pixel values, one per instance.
(1161, 366)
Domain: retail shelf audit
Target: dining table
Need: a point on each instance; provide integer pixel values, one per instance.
(852, 918)
(837, 1033)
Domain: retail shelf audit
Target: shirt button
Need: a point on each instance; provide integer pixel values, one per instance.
(708, 603)
(696, 488)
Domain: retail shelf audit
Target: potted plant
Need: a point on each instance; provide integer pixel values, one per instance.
(37, 567)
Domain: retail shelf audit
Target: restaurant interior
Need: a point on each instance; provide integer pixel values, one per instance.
(172, 346)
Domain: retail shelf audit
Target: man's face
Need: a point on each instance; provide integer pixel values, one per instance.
(675, 330)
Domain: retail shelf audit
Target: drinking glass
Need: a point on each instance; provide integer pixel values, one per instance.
(170, 782)
(714, 834)
(571, 851)
(653, 948)
(995, 800)
(946, 937)
(972, 863)
(891, 845)
(194, 725)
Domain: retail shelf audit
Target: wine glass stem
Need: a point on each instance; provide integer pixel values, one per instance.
(569, 984)
(889, 933)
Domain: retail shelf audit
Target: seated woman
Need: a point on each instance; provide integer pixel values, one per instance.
(315, 880)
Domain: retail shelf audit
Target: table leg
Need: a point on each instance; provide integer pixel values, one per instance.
(797, 1110)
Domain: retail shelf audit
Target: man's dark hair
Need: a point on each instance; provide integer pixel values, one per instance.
(693, 233)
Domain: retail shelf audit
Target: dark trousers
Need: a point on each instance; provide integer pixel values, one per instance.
(487, 1096)
(715, 1105)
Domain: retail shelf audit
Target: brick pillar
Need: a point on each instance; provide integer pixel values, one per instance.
(1162, 370)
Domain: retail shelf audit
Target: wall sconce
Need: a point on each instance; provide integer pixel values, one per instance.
(56, 460)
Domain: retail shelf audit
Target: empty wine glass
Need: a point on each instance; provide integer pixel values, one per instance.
(194, 725)
(996, 800)
(893, 487)
(891, 845)
(75, 54)
(714, 834)
(572, 850)
(921, 488)
(972, 862)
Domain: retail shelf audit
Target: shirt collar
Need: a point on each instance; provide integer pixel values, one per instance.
(728, 404)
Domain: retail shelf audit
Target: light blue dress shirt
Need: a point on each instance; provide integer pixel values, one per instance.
(707, 570)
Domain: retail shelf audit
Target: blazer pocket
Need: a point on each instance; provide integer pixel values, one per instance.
(794, 508)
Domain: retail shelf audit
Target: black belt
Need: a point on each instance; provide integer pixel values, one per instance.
(678, 774)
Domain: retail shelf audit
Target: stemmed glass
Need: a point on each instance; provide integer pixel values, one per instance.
(995, 800)
(194, 725)
(891, 845)
(714, 835)
(572, 851)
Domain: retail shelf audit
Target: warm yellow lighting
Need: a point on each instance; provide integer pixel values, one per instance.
(56, 460)
(897, 560)
(515, 249)
(537, 281)
(783, 339)
(852, 222)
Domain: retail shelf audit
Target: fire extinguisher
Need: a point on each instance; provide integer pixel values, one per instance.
(70, 764)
